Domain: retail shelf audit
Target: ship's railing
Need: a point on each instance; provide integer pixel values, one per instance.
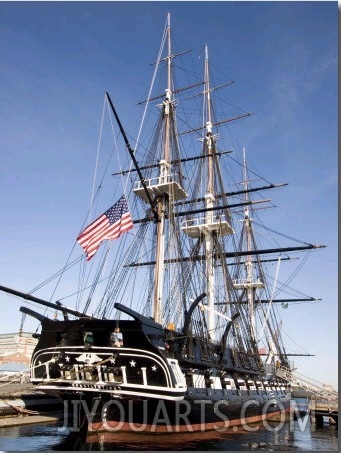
(245, 281)
(167, 184)
(155, 181)
(199, 221)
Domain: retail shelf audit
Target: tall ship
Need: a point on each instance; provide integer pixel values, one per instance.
(176, 321)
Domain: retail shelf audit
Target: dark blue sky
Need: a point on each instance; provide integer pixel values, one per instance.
(58, 59)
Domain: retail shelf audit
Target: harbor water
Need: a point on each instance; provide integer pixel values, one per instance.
(298, 435)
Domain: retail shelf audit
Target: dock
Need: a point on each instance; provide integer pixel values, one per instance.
(21, 404)
(320, 408)
(323, 401)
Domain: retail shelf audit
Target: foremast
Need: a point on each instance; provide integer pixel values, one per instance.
(165, 188)
(163, 200)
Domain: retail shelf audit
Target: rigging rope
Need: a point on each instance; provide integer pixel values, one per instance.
(271, 299)
(281, 234)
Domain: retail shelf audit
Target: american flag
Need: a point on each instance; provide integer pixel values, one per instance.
(110, 225)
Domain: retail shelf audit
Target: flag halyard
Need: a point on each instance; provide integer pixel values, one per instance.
(110, 225)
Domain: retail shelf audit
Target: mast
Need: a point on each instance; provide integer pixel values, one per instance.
(211, 225)
(248, 262)
(209, 203)
(165, 189)
(251, 284)
(162, 201)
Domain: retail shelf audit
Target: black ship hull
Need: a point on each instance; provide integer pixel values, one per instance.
(188, 415)
(146, 381)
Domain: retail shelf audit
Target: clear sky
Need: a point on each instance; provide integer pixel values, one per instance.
(58, 59)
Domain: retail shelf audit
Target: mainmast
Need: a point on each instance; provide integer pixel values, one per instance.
(209, 203)
(211, 225)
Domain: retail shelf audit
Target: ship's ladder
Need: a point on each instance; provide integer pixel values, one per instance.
(314, 387)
